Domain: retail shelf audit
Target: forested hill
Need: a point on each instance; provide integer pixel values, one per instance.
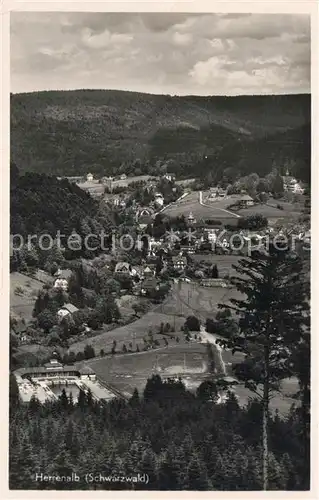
(42, 204)
(73, 132)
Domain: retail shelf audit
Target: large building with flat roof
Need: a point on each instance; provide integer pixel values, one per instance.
(46, 382)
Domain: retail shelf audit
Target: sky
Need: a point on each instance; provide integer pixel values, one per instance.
(177, 54)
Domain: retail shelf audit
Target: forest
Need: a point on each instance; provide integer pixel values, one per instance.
(111, 132)
(181, 440)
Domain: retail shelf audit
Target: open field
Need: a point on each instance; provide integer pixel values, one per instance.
(188, 361)
(21, 304)
(126, 182)
(130, 371)
(224, 262)
(191, 204)
(93, 187)
(125, 334)
(268, 210)
(190, 298)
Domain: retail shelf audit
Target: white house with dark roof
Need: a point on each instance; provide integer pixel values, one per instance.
(179, 262)
(245, 201)
(123, 268)
(159, 199)
(67, 310)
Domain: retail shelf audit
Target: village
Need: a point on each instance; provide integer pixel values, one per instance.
(174, 263)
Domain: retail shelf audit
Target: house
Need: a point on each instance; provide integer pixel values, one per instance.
(63, 274)
(179, 262)
(213, 192)
(191, 219)
(245, 201)
(149, 285)
(211, 235)
(61, 278)
(153, 244)
(67, 310)
(298, 189)
(159, 199)
(290, 183)
(148, 272)
(144, 216)
(61, 283)
(89, 177)
(170, 177)
(123, 268)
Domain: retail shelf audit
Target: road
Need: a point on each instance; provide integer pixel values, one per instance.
(215, 208)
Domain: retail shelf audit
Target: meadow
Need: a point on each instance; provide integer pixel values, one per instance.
(191, 204)
(23, 293)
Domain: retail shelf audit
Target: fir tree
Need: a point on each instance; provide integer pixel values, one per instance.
(271, 317)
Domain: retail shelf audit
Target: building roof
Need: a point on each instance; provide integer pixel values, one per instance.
(246, 197)
(120, 265)
(148, 270)
(43, 276)
(70, 307)
(149, 284)
(64, 274)
(179, 258)
(86, 370)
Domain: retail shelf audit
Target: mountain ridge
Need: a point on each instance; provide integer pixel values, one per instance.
(106, 131)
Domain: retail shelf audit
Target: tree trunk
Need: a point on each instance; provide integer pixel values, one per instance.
(265, 421)
(305, 404)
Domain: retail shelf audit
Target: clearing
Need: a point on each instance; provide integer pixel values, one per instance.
(23, 294)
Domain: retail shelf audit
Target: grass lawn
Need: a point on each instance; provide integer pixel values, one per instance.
(265, 210)
(191, 204)
(130, 371)
(224, 262)
(23, 294)
(130, 332)
(190, 298)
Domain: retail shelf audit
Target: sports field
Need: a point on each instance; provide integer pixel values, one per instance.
(130, 371)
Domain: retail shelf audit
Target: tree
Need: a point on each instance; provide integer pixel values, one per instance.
(192, 323)
(277, 186)
(89, 352)
(46, 320)
(207, 391)
(272, 314)
(300, 365)
(215, 273)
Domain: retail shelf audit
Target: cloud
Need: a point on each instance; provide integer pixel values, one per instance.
(163, 53)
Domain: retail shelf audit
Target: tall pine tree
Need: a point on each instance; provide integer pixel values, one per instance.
(272, 315)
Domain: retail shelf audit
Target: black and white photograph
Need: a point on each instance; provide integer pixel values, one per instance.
(160, 251)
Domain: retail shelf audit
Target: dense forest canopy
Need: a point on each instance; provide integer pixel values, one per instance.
(181, 441)
(41, 203)
(106, 132)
